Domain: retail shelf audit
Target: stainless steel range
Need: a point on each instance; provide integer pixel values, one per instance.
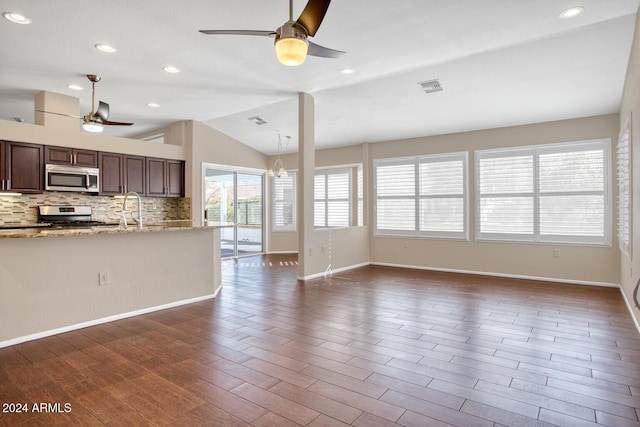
(67, 216)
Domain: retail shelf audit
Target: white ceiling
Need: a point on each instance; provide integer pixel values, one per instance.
(500, 62)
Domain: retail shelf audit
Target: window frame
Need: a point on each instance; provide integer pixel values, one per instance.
(415, 161)
(325, 172)
(625, 188)
(274, 201)
(536, 151)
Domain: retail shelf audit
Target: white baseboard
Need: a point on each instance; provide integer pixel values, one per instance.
(332, 271)
(107, 319)
(510, 276)
(282, 253)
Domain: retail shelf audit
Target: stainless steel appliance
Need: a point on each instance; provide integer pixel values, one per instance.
(67, 216)
(72, 178)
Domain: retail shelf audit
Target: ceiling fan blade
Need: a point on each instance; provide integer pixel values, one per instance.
(312, 15)
(59, 114)
(108, 123)
(102, 114)
(240, 32)
(103, 111)
(323, 52)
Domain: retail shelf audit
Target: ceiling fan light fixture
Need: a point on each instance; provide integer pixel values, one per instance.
(291, 45)
(291, 51)
(92, 127)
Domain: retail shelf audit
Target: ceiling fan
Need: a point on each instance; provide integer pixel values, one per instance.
(94, 121)
(291, 39)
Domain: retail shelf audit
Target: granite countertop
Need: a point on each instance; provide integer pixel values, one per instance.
(28, 231)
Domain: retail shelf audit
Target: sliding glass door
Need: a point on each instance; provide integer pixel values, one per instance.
(249, 214)
(235, 197)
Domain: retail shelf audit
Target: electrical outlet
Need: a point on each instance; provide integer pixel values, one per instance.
(405, 244)
(556, 253)
(103, 278)
(310, 251)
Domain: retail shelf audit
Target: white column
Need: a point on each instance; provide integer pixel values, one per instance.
(306, 172)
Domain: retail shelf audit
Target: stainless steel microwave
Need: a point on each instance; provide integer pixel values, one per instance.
(72, 178)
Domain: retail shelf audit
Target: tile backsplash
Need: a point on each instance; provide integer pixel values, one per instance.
(24, 209)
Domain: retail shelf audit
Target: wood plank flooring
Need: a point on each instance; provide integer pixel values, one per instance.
(370, 347)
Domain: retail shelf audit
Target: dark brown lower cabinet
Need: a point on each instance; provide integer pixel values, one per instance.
(21, 167)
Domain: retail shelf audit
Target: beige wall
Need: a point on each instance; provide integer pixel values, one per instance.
(208, 145)
(51, 283)
(287, 241)
(630, 108)
(581, 264)
(196, 143)
(75, 138)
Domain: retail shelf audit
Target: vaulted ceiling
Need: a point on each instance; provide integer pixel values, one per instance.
(499, 62)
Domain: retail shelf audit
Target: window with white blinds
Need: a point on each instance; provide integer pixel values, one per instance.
(284, 203)
(422, 196)
(332, 198)
(553, 193)
(624, 190)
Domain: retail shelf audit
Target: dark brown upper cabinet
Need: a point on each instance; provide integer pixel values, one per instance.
(70, 156)
(165, 178)
(21, 167)
(120, 173)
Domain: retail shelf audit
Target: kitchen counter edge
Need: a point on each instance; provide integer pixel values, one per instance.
(92, 231)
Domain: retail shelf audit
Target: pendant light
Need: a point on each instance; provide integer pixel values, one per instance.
(278, 166)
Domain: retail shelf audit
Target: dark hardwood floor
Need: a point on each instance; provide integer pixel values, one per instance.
(370, 347)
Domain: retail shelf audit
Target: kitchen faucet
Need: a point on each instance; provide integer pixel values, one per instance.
(123, 221)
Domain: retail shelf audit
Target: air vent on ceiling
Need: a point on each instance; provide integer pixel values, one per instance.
(429, 86)
(258, 120)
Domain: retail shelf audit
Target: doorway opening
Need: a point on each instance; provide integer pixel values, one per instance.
(236, 197)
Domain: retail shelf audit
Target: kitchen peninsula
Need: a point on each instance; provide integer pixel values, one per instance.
(57, 280)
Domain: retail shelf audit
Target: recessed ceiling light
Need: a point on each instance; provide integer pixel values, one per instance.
(105, 48)
(347, 71)
(171, 69)
(571, 12)
(74, 87)
(153, 105)
(17, 18)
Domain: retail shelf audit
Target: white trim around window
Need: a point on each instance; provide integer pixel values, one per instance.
(283, 202)
(422, 196)
(625, 190)
(552, 193)
(332, 197)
